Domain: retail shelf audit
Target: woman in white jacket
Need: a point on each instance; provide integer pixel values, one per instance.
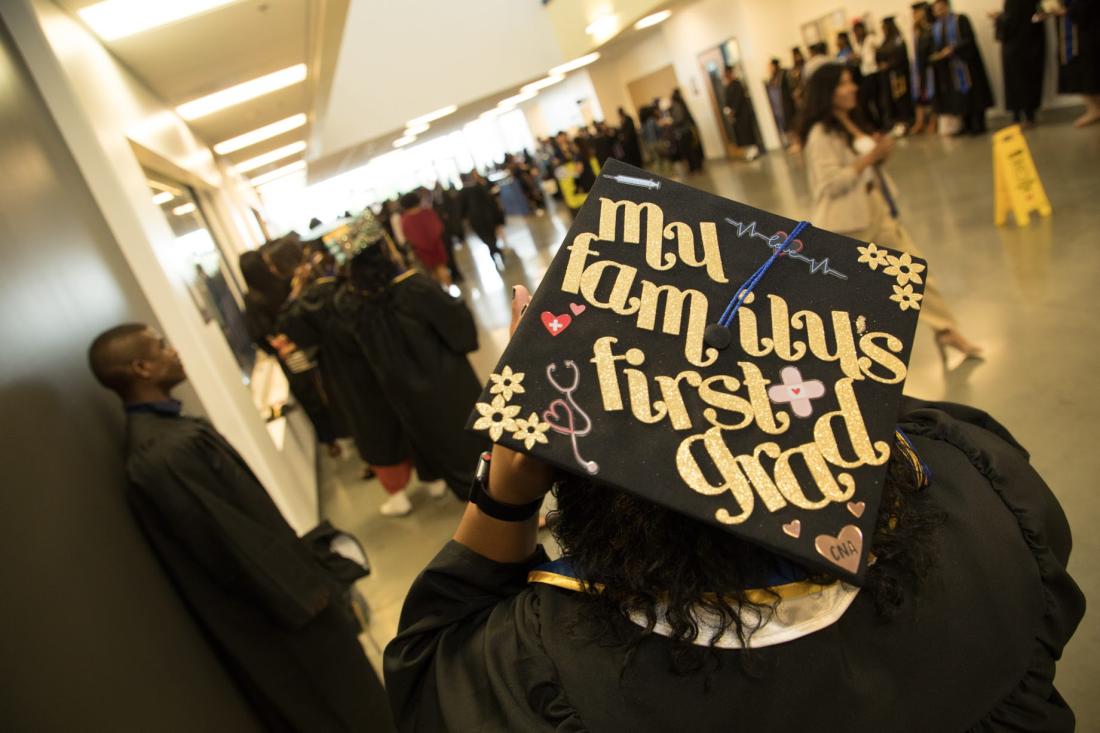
(852, 194)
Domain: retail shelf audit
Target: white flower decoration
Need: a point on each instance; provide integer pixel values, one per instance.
(872, 255)
(496, 417)
(507, 383)
(906, 298)
(904, 269)
(531, 431)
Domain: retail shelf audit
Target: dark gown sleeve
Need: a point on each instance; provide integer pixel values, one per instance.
(264, 562)
(468, 656)
(1034, 704)
(965, 44)
(448, 317)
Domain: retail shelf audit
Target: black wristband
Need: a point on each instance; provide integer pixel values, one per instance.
(479, 496)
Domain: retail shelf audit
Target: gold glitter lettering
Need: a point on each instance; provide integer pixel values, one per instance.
(674, 400)
(638, 386)
(781, 333)
(849, 413)
(724, 401)
(791, 488)
(606, 375)
(620, 291)
(767, 490)
(842, 331)
(874, 353)
(632, 226)
(650, 302)
(578, 254)
(733, 480)
(771, 423)
(746, 322)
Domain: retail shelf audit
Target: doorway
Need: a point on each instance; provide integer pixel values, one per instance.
(740, 128)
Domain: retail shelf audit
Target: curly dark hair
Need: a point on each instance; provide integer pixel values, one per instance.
(636, 557)
(371, 272)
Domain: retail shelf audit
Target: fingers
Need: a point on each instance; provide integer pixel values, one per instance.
(520, 298)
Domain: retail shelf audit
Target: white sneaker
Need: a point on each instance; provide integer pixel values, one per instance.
(397, 505)
(437, 489)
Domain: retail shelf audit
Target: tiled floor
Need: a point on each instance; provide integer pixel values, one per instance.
(1028, 295)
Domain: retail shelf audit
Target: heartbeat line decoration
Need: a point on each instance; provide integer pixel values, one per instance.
(775, 241)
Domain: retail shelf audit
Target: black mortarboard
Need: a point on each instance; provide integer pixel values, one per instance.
(719, 360)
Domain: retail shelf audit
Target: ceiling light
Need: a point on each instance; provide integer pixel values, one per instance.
(114, 19)
(163, 197)
(242, 92)
(575, 64)
(404, 140)
(542, 83)
(162, 186)
(510, 102)
(278, 173)
(651, 20)
(260, 134)
(184, 209)
(432, 116)
(415, 130)
(277, 154)
(603, 28)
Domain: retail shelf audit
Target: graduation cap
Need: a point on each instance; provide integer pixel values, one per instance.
(719, 360)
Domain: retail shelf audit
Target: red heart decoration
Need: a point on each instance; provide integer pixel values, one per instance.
(555, 324)
(577, 308)
(794, 247)
(796, 390)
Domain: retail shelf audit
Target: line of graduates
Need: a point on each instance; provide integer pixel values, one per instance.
(389, 351)
(945, 80)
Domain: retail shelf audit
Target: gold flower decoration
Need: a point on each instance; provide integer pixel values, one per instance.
(531, 431)
(873, 255)
(906, 298)
(507, 383)
(496, 417)
(904, 269)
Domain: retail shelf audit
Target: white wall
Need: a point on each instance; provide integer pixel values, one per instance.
(99, 106)
(759, 28)
(611, 75)
(566, 106)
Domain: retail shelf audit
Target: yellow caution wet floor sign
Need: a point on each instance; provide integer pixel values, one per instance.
(1015, 180)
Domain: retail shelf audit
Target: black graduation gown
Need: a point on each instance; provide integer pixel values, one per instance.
(480, 649)
(744, 127)
(306, 386)
(926, 84)
(950, 97)
(416, 338)
(896, 98)
(628, 141)
(324, 318)
(480, 209)
(1079, 48)
(1023, 55)
(276, 616)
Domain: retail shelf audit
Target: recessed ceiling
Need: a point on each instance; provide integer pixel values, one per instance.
(400, 60)
(209, 52)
